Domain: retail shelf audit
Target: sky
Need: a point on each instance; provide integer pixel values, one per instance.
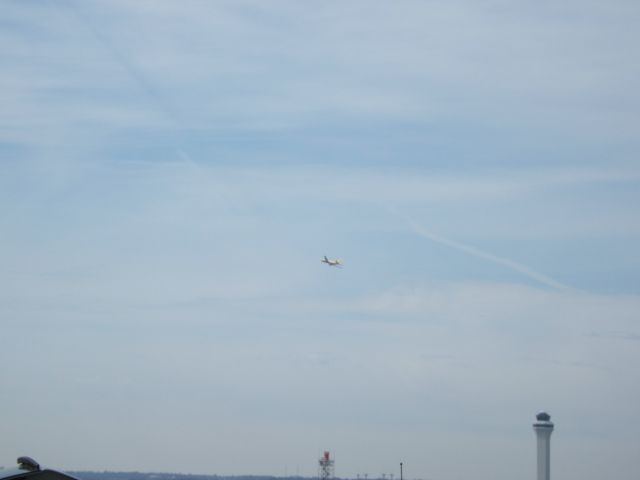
(172, 173)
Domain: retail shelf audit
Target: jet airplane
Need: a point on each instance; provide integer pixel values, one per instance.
(332, 263)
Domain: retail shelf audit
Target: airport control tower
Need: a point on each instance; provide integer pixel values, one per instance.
(543, 428)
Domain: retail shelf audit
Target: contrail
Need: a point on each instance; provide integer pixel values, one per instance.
(134, 73)
(116, 54)
(476, 252)
(186, 158)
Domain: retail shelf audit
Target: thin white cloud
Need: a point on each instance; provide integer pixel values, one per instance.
(215, 65)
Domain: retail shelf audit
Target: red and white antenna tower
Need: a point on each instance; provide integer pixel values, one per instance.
(325, 467)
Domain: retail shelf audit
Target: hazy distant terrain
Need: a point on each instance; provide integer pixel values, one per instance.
(172, 476)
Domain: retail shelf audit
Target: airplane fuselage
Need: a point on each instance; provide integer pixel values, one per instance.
(331, 263)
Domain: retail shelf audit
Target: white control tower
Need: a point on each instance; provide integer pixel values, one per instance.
(543, 428)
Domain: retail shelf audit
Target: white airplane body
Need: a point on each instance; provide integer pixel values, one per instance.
(332, 263)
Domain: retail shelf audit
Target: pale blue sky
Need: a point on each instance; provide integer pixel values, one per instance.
(173, 172)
